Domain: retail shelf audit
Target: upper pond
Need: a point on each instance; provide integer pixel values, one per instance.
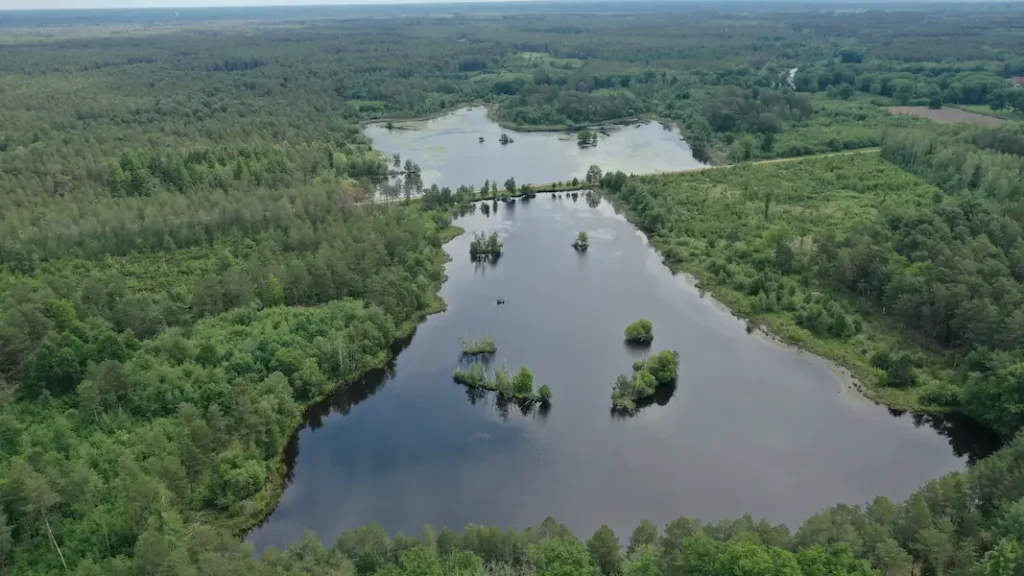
(752, 426)
(450, 154)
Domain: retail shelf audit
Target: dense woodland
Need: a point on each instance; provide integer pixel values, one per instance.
(190, 253)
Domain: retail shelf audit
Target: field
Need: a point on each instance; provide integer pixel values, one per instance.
(985, 110)
(947, 115)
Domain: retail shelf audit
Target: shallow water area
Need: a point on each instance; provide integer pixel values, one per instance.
(449, 152)
(752, 426)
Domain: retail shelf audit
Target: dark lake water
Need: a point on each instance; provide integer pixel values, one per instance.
(752, 426)
(449, 153)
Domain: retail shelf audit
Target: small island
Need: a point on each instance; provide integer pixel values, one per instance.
(519, 387)
(586, 138)
(505, 139)
(485, 247)
(640, 332)
(582, 243)
(659, 369)
(483, 347)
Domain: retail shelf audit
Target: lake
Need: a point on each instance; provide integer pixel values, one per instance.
(752, 427)
(449, 152)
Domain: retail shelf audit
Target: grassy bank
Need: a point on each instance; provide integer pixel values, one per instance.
(853, 355)
(750, 235)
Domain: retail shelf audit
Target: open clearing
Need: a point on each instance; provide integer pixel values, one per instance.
(946, 115)
(985, 110)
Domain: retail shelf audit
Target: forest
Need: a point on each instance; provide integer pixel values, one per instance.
(915, 285)
(192, 250)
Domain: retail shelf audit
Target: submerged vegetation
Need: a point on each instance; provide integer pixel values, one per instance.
(482, 347)
(518, 386)
(659, 369)
(484, 247)
(640, 332)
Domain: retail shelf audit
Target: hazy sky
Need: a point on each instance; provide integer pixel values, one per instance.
(75, 4)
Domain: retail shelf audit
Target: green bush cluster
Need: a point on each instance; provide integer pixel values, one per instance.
(640, 332)
(481, 347)
(519, 386)
(485, 247)
(660, 369)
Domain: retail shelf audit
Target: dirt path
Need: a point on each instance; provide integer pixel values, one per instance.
(871, 150)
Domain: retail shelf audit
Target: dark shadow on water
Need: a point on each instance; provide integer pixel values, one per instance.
(470, 209)
(484, 261)
(485, 264)
(505, 406)
(345, 398)
(661, 397)
(637, 347)
(342, 401)
(475, 395)
(485, 360)
(968, 437)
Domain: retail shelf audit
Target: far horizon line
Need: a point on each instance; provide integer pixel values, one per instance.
(369, 4)
(390, 3)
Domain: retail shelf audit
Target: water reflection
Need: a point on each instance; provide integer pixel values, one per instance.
(505, 407)
(637, 349)
(745, 414)
(449, 153)
(342, 400)
(661, 397)
(483, 264)
(968, 438)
